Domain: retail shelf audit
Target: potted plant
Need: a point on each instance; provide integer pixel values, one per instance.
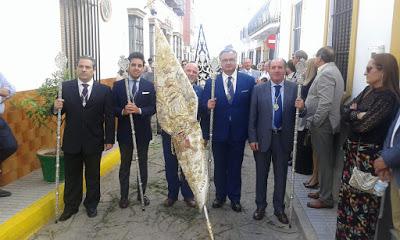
(38, 109)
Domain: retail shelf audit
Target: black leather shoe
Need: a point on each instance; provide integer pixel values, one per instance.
(259, 214)
(169, 202)
(91, 212)
(4, 193)
(146, 200)
(236, 207)
(282, 217)
(217, 203)
(66, 215)
(123, 203)
(190, 202)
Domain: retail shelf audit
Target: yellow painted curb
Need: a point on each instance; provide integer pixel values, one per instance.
(28, 221)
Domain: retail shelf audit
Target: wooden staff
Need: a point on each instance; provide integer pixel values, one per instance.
(134, 151)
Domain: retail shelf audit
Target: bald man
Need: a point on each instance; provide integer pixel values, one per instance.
(171, 162)
(248, 70)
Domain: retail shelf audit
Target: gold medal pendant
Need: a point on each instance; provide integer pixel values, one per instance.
(276, 107)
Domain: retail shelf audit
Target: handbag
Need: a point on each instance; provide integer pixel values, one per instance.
(363, 181)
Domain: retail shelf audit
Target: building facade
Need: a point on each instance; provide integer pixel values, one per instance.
(354, 28)
(104, 29)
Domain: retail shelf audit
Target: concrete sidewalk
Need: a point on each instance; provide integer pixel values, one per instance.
(29, 212)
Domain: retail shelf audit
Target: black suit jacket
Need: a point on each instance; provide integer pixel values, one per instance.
(87, 128)
(145, 99)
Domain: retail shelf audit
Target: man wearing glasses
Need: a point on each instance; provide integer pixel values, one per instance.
(231, 106)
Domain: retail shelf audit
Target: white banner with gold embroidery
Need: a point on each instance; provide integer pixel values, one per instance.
(177, 114)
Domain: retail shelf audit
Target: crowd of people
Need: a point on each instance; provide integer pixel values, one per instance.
(257, 106)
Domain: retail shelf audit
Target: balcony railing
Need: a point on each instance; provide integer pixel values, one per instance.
(268, 13)
(177, 6)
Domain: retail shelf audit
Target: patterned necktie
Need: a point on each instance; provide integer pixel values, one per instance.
(134, 88)
(231, 92)
(84, 96)
(278, 107)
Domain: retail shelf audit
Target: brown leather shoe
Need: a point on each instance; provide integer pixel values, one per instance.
(313, 195)
(169, 202)
(318, 204)
(123, 203)
(190, 202)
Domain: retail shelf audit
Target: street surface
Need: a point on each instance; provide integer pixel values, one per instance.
(177, 222)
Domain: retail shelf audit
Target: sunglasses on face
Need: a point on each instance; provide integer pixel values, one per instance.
(368, 69)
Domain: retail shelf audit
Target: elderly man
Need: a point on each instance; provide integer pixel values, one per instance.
(271, 128)
(298, 56)
(231, 115)
(171, 162)
(322, 111)
(8, 144)
(248, 70)
(89, 130)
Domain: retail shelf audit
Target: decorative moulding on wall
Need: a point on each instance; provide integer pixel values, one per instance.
(137, 12)
(105, 10)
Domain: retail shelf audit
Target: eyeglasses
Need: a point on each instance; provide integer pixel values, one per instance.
(368, 69)
(228, 60)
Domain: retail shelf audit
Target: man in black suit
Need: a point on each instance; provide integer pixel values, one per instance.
(271, 128)
(142, 106)
(89, 129)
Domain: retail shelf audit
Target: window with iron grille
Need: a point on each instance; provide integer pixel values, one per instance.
(80, 32)
(297, 26)
(341, 34)
(135, 33)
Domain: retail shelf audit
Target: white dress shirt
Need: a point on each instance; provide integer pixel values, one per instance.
(89, 88)
(273, 98)
(233, 80)
(5, 84)
(396, 127)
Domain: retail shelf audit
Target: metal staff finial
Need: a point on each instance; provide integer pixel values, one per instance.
(123, 64)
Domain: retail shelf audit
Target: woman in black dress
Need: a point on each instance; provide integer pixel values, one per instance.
(369, 116)
(304, 159)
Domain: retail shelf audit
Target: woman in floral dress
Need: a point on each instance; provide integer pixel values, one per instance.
(369, 116)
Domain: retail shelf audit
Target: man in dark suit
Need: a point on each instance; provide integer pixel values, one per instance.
(89, 129)
(171, 162)
(271, 129)
(387, 166)
(142, 105)
(231, 114)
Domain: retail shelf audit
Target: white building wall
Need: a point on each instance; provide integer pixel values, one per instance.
(312, 26)
(374, 29)
(283, 40)
(30, 40)
(29, 44)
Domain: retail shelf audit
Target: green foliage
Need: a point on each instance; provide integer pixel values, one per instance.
(38, 107)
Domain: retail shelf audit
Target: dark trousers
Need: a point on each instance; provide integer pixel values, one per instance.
(8, 144)
(73, 166)
(228, 158)
(125, 167)
(280, 165)
(171, 172)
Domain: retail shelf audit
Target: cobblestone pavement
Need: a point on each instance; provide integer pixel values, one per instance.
(177, 222)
